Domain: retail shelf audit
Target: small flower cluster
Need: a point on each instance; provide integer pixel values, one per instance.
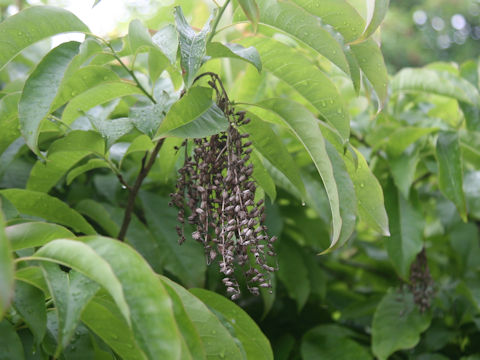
(216, 186)
(421, 282)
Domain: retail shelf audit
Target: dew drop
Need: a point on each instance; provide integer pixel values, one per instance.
(19, 33)
(339, 111)
(124, 187)
(115, 337)
(303, 203)
(362, 185)
(324, 103)
(130, 346)
(73, 93)
(331, 101)
(105, 78)
(334, 52)
(213, 332)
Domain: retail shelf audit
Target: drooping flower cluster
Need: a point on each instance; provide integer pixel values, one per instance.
(421, 282)
(217, 187)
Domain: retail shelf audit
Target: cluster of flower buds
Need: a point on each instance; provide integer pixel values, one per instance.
(216, 193)
(421, 282)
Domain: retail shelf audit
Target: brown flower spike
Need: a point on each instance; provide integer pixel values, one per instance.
(217, 188)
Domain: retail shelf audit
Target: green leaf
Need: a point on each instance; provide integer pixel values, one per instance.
(254, 342)
(99, 215)
(166, 39)
(192, 45)
(437, 82)
(305, 127)
(332, 342)
(342, 16)
(84, 259)
(30, 304)
(7, 268)
(148, 118)
(296, 70)
(71, 292)
(305, 27)
(252, 12)
(90, 165)
(370, 201)
(406, 227)
(397, 314)
(261, 176)
(113, 129)
(103, 318)
(8, 114)
(370, 59)
(40, 90)
(62, 155)
(292, 271)
(212, 121)
(235, 51)
(81, 80)
(450, 172)
(150, 307)
(346, 193)
(35, 234)
(10, 342)
(141, 143)
(377, 9)
(33, 275)
(217, 341)
(192, 106)
(47, 207)
(179, 260)
(138, 36)
(95, 96)
(33, 24)
(401, 138)
(191, 337)
(403, 170)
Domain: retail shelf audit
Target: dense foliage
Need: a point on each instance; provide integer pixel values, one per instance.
(368, 188)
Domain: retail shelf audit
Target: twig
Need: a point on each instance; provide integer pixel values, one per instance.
(217, 20)
(144, 170)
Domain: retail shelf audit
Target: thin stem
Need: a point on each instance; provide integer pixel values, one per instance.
(144, 170)
(132, 74)
(217, 20)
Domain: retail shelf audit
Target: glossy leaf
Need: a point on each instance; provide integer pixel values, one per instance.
(403, 170)
(7, 269)
(251, 10)
(33, 24)
(147, 119)
(190, 107)
(332, 342)
(305, 27)
(193, 346)
(138, 36)
(305, 127)
(30, 304)
(370, 60)
(342, 16)
(10, 342)
(150, 307)
(82, 80)
(406, 228)
(33, 275)
(90, 165)
(450, 172)
(40, 90)
(296, 70)
(377, 9)
(401, 138)
(166, 39)
(268, 144)
(254, 342)
(82, 258)
(396, 313)
(111, 130)
(370, 199)
(62, 155)
(435, 82)
(192, 45)
(95, 96)
(104, 319)
(179, 260)
(217, 341)
(71, 292)
(35, 234)
(96, 212)
(292, 271)
(235, 51)
(212, 121)
(47, 207)
(8, 114)
(261, 176)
